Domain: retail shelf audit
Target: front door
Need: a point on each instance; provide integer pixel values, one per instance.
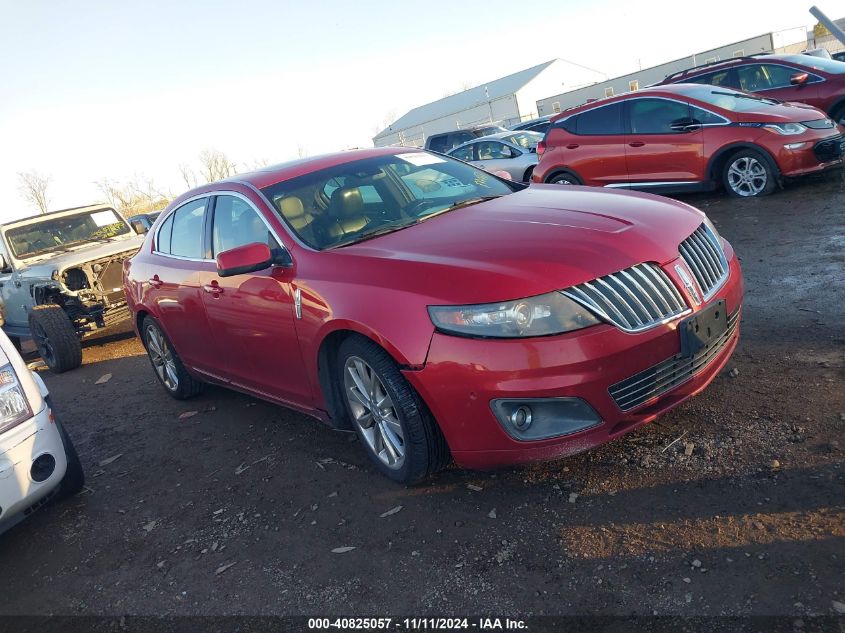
(252, 316)
(664, 144)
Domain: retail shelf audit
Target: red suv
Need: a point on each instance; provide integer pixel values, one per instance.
(688, 137)
(436, 309)
(815, 81)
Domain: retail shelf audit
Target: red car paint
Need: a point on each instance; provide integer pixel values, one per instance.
(815, 81)
(683, 160)
(243, 331)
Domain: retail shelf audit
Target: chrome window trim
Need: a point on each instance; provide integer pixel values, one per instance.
(209, 195)
(170, 214)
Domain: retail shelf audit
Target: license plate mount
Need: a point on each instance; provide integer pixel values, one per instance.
(702, 328)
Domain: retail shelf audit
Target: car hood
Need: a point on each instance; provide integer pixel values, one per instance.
(544, 238)
(79, 255)
(786, 112)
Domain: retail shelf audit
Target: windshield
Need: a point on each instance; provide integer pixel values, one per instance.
(357, 200)
(62, 233)
(525, 140)
(727, 99)
(817, 63)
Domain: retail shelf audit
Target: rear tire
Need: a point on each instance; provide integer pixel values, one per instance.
(398, 432)
(55, 337)
(564, 178)
(167, 365)
(527, 177)
(748, 174)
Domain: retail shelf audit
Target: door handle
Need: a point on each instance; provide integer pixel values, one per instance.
(155, 282)
(573, 146)
(636, 144)
(213, 289)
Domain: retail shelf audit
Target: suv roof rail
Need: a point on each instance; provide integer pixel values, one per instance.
(681, 73)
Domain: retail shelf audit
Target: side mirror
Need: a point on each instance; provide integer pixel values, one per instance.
(248, 258)
(140, 227)
(799, 79)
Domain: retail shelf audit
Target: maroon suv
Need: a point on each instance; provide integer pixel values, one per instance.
(812, 80)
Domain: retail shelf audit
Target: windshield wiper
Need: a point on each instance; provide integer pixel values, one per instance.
(740, 95)
(464, 203)
(381, 230)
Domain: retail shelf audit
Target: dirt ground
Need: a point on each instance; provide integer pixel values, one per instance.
(237, 508)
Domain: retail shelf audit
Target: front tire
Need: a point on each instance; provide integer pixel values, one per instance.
(55, 337)
(167, 365)
(399, 434)
(748, 174)
(564, 178)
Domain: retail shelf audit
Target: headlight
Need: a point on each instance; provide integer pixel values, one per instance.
(14, 407)
(552, 313)
(786, 129)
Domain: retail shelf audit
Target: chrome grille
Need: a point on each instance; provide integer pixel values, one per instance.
(660, 378)
(703, 255)
(633, 299)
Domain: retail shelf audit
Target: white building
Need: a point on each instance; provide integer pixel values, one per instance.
(504, 101)
(788, 41)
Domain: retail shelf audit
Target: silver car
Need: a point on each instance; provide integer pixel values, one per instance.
(513, 152)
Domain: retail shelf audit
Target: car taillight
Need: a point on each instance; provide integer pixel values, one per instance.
(541, 147)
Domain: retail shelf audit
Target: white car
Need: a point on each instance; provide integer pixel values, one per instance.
(38, 462)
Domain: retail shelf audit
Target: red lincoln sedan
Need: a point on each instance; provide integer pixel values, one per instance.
(437, 310)
(688, 137)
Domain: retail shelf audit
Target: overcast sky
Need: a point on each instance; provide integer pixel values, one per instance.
(92, 90)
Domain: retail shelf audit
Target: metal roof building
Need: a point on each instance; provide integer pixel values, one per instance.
(504, 101)
(787, 41)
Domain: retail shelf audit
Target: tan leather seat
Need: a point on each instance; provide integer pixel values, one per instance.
(294, 212)
(346, 209)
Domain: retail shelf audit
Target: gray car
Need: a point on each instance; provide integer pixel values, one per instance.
(513, 152)
(61, 279)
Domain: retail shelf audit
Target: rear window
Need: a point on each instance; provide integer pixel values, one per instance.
(601, 121)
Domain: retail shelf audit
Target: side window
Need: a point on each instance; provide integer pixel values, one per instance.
(756, 77)
(706, 117)
(186, 233)
(721, 78)
(465, 153)
(438, 143)
(164, 233)
(236, 223)
(459, 138)
(491, 150)
(656, 116)
(602, 121)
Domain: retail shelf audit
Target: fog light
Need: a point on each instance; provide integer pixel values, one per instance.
(521, 417)
(795, 146)
(528, 419)
(42, 468)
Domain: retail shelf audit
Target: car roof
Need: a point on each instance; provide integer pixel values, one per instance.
(69, 211)
(668, 91)
(274, 174)
(734, 61)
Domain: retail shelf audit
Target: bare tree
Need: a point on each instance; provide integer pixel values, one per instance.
(215, 165)
(33, 187)
(188, 175)
(138, 195)
(302, 151)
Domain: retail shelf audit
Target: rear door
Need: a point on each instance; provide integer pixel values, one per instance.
(664, 143)
(592, 144)
(174, 273)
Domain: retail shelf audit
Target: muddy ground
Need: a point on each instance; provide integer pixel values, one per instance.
(236, 510)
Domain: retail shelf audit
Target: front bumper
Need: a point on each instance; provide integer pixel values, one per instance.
(19, 447)
(816, 155)
(463, 375)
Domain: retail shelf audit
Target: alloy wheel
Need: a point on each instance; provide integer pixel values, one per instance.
(162, 358)
(747, 176)
(42, 342)
(562, 180)
(374, 412)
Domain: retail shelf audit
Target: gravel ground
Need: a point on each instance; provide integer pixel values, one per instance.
(228, 505)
